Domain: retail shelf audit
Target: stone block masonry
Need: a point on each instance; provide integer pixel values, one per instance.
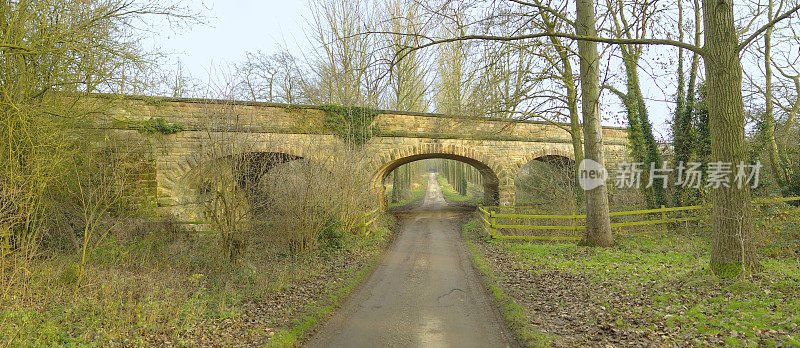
(496, 147)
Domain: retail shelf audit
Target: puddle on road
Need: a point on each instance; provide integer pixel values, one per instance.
(431, 333)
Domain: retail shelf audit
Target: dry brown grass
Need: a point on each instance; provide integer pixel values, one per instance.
(161, 287)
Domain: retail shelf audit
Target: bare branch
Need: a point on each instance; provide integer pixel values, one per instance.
(758, 32)
(667, 42)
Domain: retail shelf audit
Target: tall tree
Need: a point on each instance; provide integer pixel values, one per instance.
(407, 85)
(732, 249)
(598, 221)
(345, 65)
(684, 135)
(640, 131)
(557, 57)
(453, 73)
(768, 119)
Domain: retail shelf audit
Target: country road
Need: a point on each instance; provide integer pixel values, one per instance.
(425, 293)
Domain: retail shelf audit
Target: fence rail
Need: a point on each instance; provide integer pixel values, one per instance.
(489, 216)
(366, 222)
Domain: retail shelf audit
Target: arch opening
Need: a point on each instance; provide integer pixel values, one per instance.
(276, 200)
(483, 176)
(548, 183)
(227, 187)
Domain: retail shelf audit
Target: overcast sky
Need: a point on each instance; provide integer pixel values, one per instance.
(234, 27)
(237, 26)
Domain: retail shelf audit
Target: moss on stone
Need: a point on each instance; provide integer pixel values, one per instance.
(351, 123)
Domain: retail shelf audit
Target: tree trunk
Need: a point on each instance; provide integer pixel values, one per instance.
(732, 249)
(396, 183)
(572, 105)
(407, 181)
(681, 137)
(769, 119)
(574, 119)
(643, 143)
(685, 137)
(462, 182)
(598, 222)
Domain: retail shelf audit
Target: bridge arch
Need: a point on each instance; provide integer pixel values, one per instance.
(548, 179)
(186, 179)
(492, 173)
(545, 154)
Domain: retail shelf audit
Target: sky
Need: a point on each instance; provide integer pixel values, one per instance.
(238, 26)
(232, 28)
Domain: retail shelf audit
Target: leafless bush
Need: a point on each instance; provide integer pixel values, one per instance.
(550, 186)
(9, 218)
(294, 202)
(315, 202)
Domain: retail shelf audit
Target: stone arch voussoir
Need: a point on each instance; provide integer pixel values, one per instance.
(541, 152)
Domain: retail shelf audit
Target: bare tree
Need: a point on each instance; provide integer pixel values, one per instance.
(683, 134)
(454, 71)
(634, 21)
(345, 67)
(53, 52)
(598, 222)
(559, 56)
(269, 77)
(407, 79)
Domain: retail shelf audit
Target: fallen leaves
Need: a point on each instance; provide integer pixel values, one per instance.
(657, 304)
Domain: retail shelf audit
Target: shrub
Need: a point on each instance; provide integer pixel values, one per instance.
(333, 236)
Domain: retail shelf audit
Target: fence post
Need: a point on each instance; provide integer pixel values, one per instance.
(492, 223)
(663, 213)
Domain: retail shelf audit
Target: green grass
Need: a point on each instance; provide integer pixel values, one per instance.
(744, 305)
(670, 271)
(450, 194)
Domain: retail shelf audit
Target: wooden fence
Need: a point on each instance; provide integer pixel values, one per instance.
(572, 224)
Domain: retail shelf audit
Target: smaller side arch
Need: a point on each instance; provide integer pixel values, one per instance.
(548, 179)
(544, 153)
(178, 186)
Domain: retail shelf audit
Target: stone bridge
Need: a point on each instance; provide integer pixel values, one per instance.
(498, 148)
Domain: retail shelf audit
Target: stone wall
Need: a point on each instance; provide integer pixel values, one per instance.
(499, 148)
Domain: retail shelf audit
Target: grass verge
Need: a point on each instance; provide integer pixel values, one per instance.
(171, 289)
(513, 312)
(655, 289)
(307, 323)
(450, 194)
